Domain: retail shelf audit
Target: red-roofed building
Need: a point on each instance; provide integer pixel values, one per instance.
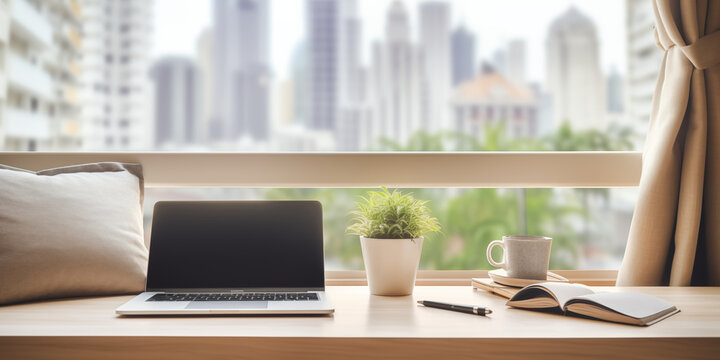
(491, 99)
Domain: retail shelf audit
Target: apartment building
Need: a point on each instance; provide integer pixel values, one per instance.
(574, 77)
(241, 50)
(40, 46)
(643, 63)
(435, 42)
(116, 62)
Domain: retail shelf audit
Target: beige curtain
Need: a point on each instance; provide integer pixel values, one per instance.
(675, 233)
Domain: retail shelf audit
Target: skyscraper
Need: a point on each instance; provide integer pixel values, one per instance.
(350, 53)
(177, 95)
(334, 34)
(398, 87)
(615, 92)
(204, 52)
(463, 55)
(499, 61)
(241, 49)
(574, 77)
(300, 74)
(39, 75)
(644, 58)
(116, 61)
(323, 40)
(435, 45)
(516, 62)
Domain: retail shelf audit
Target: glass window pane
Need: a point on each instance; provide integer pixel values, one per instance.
(326, 75)
(589, 226)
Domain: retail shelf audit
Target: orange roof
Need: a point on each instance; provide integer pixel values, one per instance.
(492, 85)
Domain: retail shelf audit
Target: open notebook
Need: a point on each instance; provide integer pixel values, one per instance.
(623, 307)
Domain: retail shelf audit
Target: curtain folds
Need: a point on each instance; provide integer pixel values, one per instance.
(674, 238)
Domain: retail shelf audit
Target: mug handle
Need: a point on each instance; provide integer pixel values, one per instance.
(489, 254)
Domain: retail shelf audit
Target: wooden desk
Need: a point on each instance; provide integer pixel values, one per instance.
(363, 326)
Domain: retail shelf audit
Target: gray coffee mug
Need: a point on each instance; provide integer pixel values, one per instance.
(524, 257)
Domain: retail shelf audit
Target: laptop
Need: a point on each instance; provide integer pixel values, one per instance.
(234, 257)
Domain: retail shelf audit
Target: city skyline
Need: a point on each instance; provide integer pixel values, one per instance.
(378, 95)
(177, 21)
(241, 104)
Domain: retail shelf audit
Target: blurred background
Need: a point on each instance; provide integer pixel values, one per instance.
(345, 75)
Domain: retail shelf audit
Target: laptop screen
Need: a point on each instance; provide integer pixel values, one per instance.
(236, 244)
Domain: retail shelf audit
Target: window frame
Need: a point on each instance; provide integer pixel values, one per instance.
(512, 169)
(576, 169)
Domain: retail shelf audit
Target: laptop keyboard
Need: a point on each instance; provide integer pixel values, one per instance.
(235, 297)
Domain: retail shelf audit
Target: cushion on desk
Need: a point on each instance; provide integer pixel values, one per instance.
(71, 231)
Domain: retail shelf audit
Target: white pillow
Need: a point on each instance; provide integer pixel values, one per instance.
(71, 231)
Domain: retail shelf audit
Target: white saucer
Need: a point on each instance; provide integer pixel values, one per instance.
(500, 276)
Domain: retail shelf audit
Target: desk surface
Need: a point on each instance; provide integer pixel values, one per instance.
(364, 325)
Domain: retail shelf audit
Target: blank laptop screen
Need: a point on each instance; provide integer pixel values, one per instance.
(236, 244)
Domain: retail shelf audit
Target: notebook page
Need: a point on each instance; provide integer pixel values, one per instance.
(633, 304)
(564, 292)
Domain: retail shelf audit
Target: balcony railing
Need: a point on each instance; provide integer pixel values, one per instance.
(75, 8)
(28, 76)
(3, 86)
(24, 124)
(4, 23)
(28, 21)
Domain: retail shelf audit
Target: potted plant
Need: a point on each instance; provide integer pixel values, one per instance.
(391, 226)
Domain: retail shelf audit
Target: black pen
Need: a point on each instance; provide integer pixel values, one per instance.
(468, 309)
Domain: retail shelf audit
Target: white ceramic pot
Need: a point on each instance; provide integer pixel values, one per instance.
(391, 264)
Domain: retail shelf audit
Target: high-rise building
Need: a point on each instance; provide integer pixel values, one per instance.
(300, 76)
(204, 52)
(397, 84)
(436, 51)
(463, 55)
(177, 98)
(333, 53)
(283, 104)
(644, 58)
(40, 46)
(350, 53)
(241, 57)
(574, 78)
(323, 40)
(615, 92)
(116, 61)
(355, 121)
(499, 61)
(63, 64)
(516, 62)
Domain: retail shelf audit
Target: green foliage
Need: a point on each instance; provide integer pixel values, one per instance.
(472, 218)
(392, 215)
(494, 138)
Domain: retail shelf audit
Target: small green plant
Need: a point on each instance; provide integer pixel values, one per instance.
(392, 215)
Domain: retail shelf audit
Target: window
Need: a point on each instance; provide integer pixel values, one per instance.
(408, 75)
(589, 234)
